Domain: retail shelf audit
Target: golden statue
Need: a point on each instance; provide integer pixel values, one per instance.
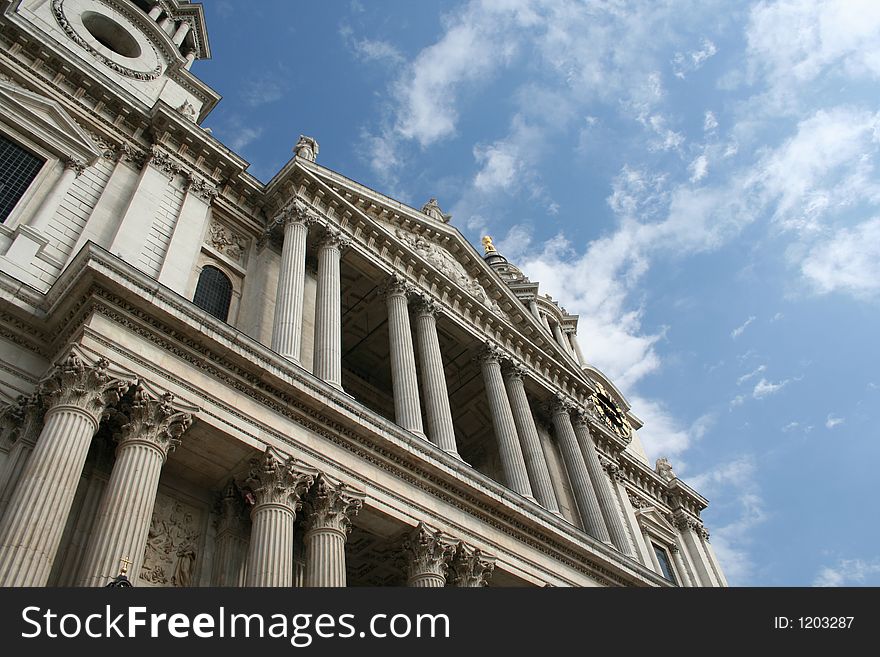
(488, 246)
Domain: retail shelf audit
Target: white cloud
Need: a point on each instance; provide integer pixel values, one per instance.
(265, 89)
(755, 372)
(791, 426)
(765, 388)
(850, 572)
(709, 122)
(683, 63)
(369, 50)
(831, 421)
(739, 330)
(739, 400)
(848, 262)
(776, 317)
(241, 137)
(699, 168)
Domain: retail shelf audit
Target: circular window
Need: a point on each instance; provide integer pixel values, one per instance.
(111, 34)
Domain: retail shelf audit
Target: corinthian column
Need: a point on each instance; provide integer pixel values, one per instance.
(607, 503)
(440, 428)
(536, 462)
(512, 461)
(277, 487)
(327, 512)
(328, 310)
(75, 396)
(152, 428)
(287, 326)
(470, 568)
(230, 546)
(407, 412)
(26, 419)
(584, 494)
(427, 555)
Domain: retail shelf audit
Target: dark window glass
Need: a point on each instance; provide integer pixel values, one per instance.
(214, 292)
(665, 566)
(18, 168)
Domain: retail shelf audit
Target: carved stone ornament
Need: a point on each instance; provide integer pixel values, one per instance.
(396, 285)
(664, 469)
(306, 148)
(173, 544)
(201, 187)
(21, 420)
(331, 506)
(333, 238)
(150, 419)
(560, 404)
(447, 265)
(432, 209)
(427, 552)
(87, 387)
(276, 481)
(65, 24)
(469, 567)
(226, 241)
(231, 516)
(187, 111)
(77, 165)
(162, 161)
(425, 305)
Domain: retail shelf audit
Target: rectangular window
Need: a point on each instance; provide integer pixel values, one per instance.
(665, 565)
(18, 168)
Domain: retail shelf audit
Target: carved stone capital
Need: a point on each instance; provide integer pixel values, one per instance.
(425, 305)
(513, 370)
(426, 552)
(87, 387)
(333, 238)
(76, 164)
(491, 353)
(21, 420)
(153, 420)
(636, 501)
(684, 522)
(125, 152)
(197, 185)
(396, 285)
(469, 567)
(278, 482)
(162, 161)
(673, 548)
(561, 405)
(610, 467)
(331, 506)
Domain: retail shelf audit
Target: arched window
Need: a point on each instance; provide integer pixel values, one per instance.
(214, 292)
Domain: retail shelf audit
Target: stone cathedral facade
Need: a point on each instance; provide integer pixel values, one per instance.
(210, 381)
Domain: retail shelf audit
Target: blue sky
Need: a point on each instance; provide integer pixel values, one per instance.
(697, 180)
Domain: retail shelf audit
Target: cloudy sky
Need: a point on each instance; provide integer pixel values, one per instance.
(696, 180)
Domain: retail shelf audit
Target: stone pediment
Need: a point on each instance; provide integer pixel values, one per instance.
(650, 518)
(45, 121)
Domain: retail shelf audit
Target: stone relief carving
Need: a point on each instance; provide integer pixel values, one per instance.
(187, 111)
(446, 263)
(226, 241)
(172, 544)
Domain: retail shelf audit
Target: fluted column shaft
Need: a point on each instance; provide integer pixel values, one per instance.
(588, 504)
(287, 326)
(230, 544)
(328, 312)
(604, 494)
(683, 576)
(512, 461)
(270, 554)
(407, 412)
(440, 428)
(153, 428)
(536, 462)
(30, 532)
(577, 349)
(27, 414)
(329, 508)
(277, 487)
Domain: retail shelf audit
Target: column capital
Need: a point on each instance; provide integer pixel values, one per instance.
(90, 388)
(330, 505)
(334, 238)
(673, 548)
(469, 567)
(152, 419)
(427, 552)
(76, 165)
(395, 285)
(273, 481)
(425, 305)
(23, 419)
(561, 405)
(684, 522)
(491, 353)
(513, 370)
(196, 184)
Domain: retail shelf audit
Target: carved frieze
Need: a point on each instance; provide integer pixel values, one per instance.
(227, 241)
(173, 544)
